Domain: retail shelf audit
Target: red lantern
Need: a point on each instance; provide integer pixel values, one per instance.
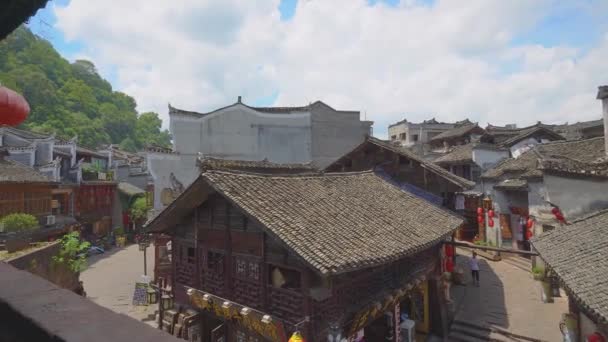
(449, 265)
(528, 234)
(449, 250)
(13, 107)
(479, 211)
(491, 213)
(529, 223)
(491, 222)
(595, 337)
(479, 219)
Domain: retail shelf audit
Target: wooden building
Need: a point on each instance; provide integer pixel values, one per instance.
(331, 255)
(409, 170)
(23, 189)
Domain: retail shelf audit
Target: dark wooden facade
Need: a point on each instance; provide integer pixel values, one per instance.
(29, 198)
(219, 250)
(93, 205)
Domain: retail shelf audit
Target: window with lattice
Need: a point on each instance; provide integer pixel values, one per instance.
(215, 262)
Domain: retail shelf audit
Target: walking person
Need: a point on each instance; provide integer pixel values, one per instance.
(474, 263)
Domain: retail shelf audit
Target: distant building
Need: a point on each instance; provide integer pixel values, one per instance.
(315, 133)
(571, 175)
(410, 133)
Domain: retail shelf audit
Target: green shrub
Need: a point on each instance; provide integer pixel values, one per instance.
(18, 222)
(73, 252)
(480, 243)
(139, 209)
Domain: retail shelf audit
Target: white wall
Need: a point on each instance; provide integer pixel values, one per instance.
(488, 158)
(525, 145)
(161, 165)
(238, 132)
(577, 196)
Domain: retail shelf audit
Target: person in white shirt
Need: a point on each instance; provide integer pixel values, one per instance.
(474, 263)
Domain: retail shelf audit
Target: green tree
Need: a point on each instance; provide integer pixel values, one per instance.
(139, 209)
(73, 252)
(72, 98)
(18, 222)
(128, 145)
(148, 131)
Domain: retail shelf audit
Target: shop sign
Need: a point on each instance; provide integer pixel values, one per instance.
(273, 331)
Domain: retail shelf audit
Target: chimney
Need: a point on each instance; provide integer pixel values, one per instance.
(238, 99)
(602, 94)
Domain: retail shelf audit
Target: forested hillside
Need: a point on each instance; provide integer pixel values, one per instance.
(71, 99)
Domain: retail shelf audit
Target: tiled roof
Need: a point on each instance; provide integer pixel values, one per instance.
(25, 134)
(210, 163)
(537, 131)
(432, 167)
(90, 152)
(551, 156)
(578, 253)
(14, 172)
(456, 132)
(336, 222)
(458, 154)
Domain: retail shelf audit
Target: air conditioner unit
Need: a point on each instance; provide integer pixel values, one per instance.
(50, 220)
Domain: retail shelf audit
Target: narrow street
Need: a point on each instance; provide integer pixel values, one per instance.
(506, 306)
(109, 281)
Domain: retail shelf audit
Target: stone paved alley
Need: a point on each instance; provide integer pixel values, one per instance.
(508, 299)
(110, 280)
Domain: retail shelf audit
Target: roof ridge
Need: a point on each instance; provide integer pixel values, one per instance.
(588, 216)
(313, 174)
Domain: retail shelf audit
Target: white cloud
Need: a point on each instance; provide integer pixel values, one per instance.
(447, 60)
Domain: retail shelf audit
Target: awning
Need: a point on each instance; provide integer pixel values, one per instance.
(130, 189)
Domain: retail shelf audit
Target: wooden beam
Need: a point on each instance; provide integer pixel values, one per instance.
(488, 248)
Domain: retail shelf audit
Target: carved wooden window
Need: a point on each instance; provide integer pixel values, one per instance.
(246, 269)
(241, 268)
(254, 270)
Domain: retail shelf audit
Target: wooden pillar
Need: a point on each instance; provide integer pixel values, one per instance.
(307, 331)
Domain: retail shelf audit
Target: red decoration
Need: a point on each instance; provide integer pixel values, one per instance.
(595, 337)
(555, 211)
(528, 234)
(449, 265)
(449, 250)
(479, 219)
(491, 222)
(491, 213)
(13, 107)
(479, 211)
(529, 223)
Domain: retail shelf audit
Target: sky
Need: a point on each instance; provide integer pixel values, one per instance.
(492, 61)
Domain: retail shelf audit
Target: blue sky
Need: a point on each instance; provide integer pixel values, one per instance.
(544, 68)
